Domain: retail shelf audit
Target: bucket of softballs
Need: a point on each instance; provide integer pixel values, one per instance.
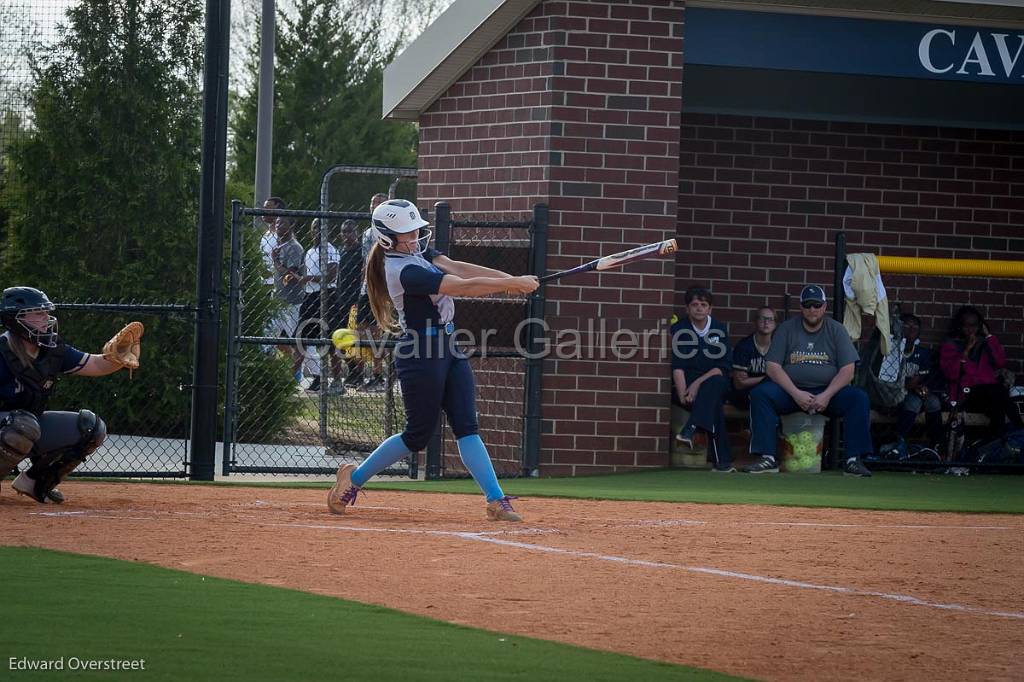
(802, 435)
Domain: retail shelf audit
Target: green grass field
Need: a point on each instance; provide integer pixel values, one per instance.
(191, 627)
(883, 491)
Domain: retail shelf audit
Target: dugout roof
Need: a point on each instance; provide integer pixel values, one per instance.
(454, 42)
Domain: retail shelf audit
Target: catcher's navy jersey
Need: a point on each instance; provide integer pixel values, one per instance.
(413, 283)
(74, 360)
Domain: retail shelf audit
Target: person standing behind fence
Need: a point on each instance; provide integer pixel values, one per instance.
(287, 262)
(32, 358)
(281, 321)
(417, 283)
(350, 276)
(364, 315)
(269, 239)
(321, 286)
(969, 360)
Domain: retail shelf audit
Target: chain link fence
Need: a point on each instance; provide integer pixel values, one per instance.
(298, 404)
(148, 411)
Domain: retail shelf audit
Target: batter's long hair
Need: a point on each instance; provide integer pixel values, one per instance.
(377, 290)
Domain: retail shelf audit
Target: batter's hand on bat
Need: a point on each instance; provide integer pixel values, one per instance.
(525, 284)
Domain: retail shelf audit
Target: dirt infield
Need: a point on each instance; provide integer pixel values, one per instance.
(766, 592)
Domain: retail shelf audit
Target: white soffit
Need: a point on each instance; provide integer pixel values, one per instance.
(448, 48)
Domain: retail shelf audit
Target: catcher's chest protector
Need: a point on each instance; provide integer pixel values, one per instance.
(38, 379)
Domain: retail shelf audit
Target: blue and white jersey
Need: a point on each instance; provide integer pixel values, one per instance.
(413, 283)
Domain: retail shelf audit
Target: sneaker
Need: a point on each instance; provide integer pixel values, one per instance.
(315, 385)
(501, 510)
(337, 388)
(343, 493)
(353, 379)
(686, 435)
(27, 486)
(724, 470)
(854, 467)
(765, 465)
(55, 496)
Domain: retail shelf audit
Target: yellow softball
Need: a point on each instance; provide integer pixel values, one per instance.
(344, 338)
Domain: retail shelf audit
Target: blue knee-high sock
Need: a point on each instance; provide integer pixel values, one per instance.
(386, 454)
(474, 455)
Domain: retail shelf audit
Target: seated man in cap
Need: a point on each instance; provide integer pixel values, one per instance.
(810, 366)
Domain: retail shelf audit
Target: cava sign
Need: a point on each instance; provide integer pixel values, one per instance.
(986, 54)
(823, 44)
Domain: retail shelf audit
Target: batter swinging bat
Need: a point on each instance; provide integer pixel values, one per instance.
(618, 259)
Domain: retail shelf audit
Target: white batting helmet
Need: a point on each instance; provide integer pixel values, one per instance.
(395, 217)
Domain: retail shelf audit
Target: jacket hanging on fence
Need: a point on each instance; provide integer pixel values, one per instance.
(865, 295)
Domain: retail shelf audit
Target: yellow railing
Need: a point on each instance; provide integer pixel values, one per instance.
(963, 267)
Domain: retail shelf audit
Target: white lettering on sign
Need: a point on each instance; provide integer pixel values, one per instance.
(976, 55)
(975, 60)
(1004, 52)
(925, 46)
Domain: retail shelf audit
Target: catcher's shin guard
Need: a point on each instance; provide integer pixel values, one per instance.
(19, 432)
(49, 469)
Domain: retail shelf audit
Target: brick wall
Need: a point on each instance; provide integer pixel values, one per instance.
(578, 106)
(761, 201)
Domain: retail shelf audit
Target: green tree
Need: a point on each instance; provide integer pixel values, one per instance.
(327, 98)
(103, 197)
(103, 194)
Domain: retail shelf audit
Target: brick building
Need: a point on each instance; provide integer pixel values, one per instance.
(752, 131)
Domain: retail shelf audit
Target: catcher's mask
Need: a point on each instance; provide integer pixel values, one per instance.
(395, 217)
(17, 303)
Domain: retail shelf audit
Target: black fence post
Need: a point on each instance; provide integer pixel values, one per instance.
(234, 311)
(535, 365)
(442, 240)
(838, 309)
(211, 240)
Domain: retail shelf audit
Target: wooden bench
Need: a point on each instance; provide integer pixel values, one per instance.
(739, 433)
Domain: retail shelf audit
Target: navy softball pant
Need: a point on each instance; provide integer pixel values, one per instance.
(435, 375)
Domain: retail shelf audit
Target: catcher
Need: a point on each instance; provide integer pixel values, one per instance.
(32, 356)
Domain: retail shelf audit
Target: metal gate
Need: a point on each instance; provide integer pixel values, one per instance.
(274, 423)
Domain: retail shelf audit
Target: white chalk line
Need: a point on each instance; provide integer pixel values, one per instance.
(481, 537)
(488, 536)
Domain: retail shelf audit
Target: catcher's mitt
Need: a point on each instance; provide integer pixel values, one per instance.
(125, 347)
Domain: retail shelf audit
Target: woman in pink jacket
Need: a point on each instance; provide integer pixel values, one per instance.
(969, 360)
